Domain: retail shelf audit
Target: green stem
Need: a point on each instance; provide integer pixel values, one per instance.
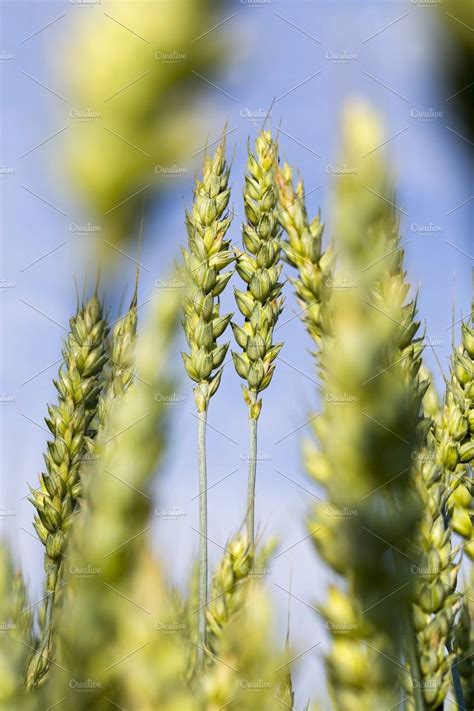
(251, 482)
(41, 660)
(457, 686)
(412, 658)
(202, 537)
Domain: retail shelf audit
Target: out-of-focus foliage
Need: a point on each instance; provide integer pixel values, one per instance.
(457, 57)
(16, 634)
(134, 74)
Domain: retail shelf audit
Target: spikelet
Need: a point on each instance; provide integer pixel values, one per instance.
(71, 422)
(259, 266)
(207, 255)
(119, 374)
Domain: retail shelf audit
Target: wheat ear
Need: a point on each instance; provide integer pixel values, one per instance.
(227, 590)
(247, 670)
(71, 422)
(303, 251)
(435, 602)
(260, 267)
(455, 438)
(109, 538)
(208, 253)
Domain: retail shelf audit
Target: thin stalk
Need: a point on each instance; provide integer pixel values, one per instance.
(44, 652)
(251, 482)
(458, 692)
(412, 657)
(202, 537)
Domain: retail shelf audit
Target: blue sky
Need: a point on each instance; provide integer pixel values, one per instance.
(307, 58)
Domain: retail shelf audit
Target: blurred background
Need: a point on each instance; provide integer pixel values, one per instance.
(108, 107)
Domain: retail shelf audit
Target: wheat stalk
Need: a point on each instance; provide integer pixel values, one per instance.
(71, 422)
(260, 268)
(207, 255)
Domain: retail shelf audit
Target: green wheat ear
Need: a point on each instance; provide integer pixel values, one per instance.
(72, 424)
(95, 625)
(455, 438)
(227, 591)
(207, 254)
(259, 266)
(303, 251)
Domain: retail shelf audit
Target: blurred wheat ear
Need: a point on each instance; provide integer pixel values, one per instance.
(139, 104)
(371, 426)
(73, 425)
(108, 560)
(16, 634)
